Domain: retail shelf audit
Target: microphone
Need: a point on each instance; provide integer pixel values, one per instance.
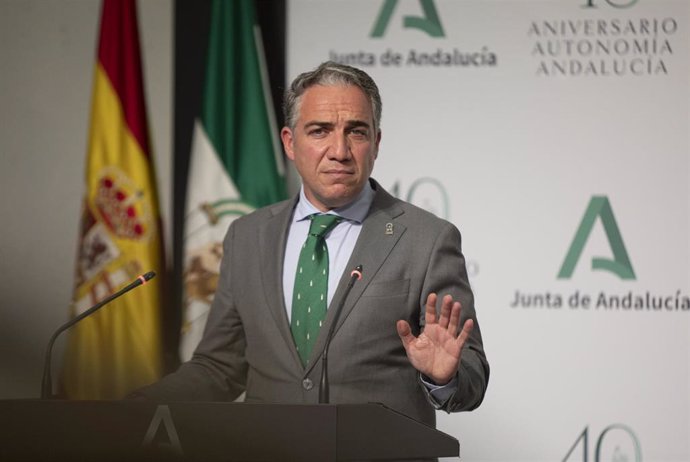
(355, 276)
(47, 384)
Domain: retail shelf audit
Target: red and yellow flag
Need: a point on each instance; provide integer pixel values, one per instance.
(118, 348)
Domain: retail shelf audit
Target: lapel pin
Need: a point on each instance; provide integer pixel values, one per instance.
(389, 229)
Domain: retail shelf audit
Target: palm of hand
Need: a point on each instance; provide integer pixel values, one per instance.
(437, 351)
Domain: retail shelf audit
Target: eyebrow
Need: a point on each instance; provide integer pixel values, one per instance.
(348, 124)
(357, 123)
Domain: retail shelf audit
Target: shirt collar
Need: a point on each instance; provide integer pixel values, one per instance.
(355, 211)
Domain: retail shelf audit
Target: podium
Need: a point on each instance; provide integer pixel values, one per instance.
(34, 430)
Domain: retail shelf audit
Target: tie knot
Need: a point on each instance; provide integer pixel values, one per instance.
(322, 224)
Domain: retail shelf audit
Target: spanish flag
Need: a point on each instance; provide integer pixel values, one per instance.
(118, 348)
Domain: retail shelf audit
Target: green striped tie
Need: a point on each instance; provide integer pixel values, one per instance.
(310, 296)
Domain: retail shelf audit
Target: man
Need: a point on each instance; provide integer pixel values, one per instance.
(407, 335)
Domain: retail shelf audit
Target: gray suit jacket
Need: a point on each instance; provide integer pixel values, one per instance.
(248, 346)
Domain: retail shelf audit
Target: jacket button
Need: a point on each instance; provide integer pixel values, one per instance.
(307, 384)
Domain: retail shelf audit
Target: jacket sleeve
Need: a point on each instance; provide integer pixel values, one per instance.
(217, 370)
(447, 274)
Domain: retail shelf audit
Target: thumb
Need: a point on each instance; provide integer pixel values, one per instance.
(404, 332)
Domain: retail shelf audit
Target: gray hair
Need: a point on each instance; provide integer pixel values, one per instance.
(330, 73)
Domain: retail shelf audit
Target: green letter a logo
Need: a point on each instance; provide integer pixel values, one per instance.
(430, 23)
(620, 265)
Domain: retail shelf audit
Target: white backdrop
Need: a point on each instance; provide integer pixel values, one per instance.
(540, 107)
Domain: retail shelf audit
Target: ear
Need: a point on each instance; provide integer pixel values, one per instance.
(378, 141)
(288, 140)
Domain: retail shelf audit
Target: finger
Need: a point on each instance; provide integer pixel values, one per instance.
(430, 312)
(446, 307)
(454, 319)
(404, 332)
(466, 330)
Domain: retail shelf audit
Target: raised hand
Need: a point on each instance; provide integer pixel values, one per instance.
(436, 352)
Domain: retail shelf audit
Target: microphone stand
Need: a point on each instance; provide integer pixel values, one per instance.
(323, 387)
(47, 383)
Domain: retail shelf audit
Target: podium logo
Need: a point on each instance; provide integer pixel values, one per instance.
(163, 418)
(429, 23)
(599, 207)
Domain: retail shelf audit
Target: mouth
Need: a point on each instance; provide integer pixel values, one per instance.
(338, 173)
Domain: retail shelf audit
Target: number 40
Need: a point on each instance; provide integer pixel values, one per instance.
(584, 438)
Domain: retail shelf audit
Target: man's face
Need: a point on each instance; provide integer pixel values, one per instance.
(333, 145)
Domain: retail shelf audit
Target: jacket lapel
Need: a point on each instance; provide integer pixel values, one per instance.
(273, 236)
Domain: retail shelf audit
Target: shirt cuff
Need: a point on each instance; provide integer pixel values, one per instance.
(440, 394)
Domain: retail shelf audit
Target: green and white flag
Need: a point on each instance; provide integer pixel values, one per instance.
(236, 162)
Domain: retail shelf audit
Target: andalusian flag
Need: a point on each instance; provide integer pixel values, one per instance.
(118, 348)
(236, 162)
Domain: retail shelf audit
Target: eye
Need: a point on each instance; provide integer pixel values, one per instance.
(317, 132)
(359, 133)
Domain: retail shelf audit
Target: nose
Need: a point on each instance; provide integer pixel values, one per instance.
(340, 149)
